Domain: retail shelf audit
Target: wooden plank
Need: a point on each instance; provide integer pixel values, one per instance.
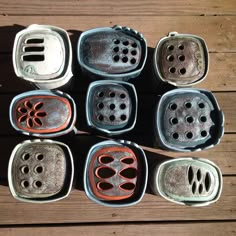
(218, 31)
(221, 76)
(167, 229)
(96, 7)
(78, 209)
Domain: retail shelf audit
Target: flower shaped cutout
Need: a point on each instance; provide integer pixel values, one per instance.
(31, 114)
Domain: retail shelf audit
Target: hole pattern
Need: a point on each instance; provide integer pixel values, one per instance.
(31, 114)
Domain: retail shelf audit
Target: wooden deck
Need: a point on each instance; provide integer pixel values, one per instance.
(215, 21)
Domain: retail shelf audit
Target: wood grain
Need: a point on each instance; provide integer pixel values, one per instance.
(217, 31)
(77, 208)
(158, 229)
(110, 8)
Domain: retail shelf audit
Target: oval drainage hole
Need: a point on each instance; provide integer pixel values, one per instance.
(127, 186)
(207, 181)
(190, 175)
(127, 160)
(105, 159)
(129, 173)
(105, 172)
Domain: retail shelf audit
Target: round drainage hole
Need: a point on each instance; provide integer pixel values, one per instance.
(116, 58)
(112, 94)
(170, 58)
(182, 71)
(201, 105)
(173, 106)
(181, 47)
(174, 121)
(100, 94)
(25, 184)
(112, 106)
(122, 96)
(39, 169)
(100, 117)
(203, 133)
(100, 105)
(134, 45)
(133, 61)
(25, 169)
(38, 184)
(189, 135)
(125, 51)
(125, 59)
(170, 47)
(116, 41)
(181, 57)
(122, 106)
(39, 157)
(134, 52)
(126, 42)
(112, 118)
(188, 104)
(31, 113)
(175, 135)
(123, 117)
(172, 70)
(116, 49)
(189, 119)
(203, 119)
(26, 156)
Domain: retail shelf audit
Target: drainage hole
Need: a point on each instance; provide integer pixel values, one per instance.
(207, 181)
(175, 135)
(41, 114)
(134, 45)
(105, 172)
(116, 41)
(33, 58)
(116, 49)
(182, 71)
(112, 94)
(181, 47)
(129, 173)
(203, 133)
(26, 156)
(123, 117)
(103, 186)
(30, 123)
(112, 118)
(39, 157)
(127, 160)
(173, 106)
(189, 119)
(170, 58)
(112, 106)
(25, 184)
(174, 121)
(105, 159)
(190, 175)
(126, 42)
(188, 104)
(203, 119)
(199, 175)
(39, 169)
(116, 58)
(127, 186)
(133, 61)
(38, 122)
(170, 47)
(23, 110)
(100, 94)
(31, 113)
(201, 105)
(100, 105)
(125, 59)
(181, 57)
(25, 169)
(189, 135)
(134, 52)
(200, 189)
(34, 40)
(125, 50)
(172, 70)
(194, 186)
(122, 96)
(122, 106)
(38, 184)
(100, 117)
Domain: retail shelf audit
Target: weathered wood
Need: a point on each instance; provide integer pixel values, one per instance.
(158, 229)
(77, 208)
(110, 8)
(218, 31)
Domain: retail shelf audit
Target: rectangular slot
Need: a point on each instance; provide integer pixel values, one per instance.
(34, 40)
(34, 49)
(33, 58)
